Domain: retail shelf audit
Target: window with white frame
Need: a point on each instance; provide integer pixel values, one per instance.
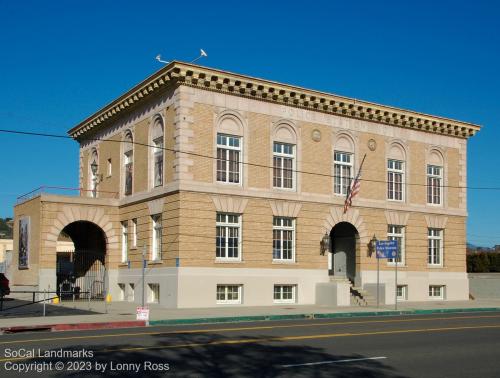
(397, 233)
(128, 164)
(283, 239)
(110, 168)
(156, 252)
(343, 168)
(134, 232)
(124, 241)
(283, 165)
(154, 293)
(284, 293)
(402, 292)
(157, 152)
(228, 237)
(435, 246)
(436, 291)
(434, 184)
(131, 292)
(228, 159)
(395, 180)
(229, 294)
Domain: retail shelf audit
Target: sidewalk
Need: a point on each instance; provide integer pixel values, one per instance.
(122, 314)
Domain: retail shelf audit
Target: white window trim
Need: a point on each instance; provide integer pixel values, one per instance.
(240, 238)
(404, 297)
(158, 145)
(134, 233)
(351, 165)
(442, 292)
(294, 294)
(152, 298)
(294, 166)
(232, 301)
(109, 169)
(403, 246)
(124, 257)
(281, 229)
(441, 247)
(403, 180)
(441, 186)
(156, 255)
(240, 163)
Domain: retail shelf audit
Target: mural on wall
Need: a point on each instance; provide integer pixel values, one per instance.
(24, 239)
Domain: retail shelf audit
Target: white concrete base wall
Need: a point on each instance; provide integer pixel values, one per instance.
(197, 286)
(167, 278)
(457, 284)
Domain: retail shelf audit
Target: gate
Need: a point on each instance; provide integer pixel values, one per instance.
(84, 272)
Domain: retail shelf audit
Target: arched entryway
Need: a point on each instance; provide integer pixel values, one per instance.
(344, 242)
(82, 269)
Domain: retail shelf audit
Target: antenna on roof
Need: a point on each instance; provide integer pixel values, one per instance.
(158, 58)
(203, 54)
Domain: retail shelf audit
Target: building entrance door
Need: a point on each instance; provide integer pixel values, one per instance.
(343, 240)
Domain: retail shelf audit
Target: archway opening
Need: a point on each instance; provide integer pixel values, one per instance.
(81, 261)
(344, 241)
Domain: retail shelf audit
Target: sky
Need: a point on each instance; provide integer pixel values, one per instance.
(60, 61)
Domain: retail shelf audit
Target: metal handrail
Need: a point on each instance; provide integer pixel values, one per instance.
(40, 189)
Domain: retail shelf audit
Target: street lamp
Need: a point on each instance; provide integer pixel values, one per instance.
(325, 243)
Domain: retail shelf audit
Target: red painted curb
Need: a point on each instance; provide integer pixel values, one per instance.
(75, 326)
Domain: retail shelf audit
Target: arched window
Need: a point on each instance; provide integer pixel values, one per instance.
(128, 162)
(157, 151)
(435, 174)
(229, 149)
(93, 169)
(284, 157)
(396, 172)
(343, 164)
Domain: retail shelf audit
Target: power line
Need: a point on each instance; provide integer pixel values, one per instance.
(49, 135)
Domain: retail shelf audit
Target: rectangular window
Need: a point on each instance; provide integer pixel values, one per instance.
(134, 232)
(131, 292)
(402, 292)
(343, 163)
(284, 293)
(228, 238)
(158, 162)
(435, 246)
(156, 253)
(397, 233)
(434, 184)
(124, 241)
(154, 293)
(229, 294)
(129, 169)
(395, 180)
(109, 168)
(283, 165)
(121, 289)
(283, 239)
(436, 291)
(228, 159)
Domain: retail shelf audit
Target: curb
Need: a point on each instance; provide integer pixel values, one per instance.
(234, 319)
(75, 326)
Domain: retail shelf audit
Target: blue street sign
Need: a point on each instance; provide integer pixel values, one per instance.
(386, 249)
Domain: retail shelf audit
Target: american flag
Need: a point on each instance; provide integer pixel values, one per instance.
(354, 188)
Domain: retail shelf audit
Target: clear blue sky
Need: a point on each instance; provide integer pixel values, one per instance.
(62, 60)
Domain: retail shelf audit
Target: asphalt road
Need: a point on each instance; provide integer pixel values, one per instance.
(444, 345)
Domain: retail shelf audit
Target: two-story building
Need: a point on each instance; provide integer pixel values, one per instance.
(233, 190)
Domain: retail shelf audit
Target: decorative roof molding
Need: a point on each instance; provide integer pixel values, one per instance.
(179, 73)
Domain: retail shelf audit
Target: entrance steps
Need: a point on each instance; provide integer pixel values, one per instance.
(359, 296)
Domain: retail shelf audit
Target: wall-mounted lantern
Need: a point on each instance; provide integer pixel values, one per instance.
(325, 243)
(372, 245)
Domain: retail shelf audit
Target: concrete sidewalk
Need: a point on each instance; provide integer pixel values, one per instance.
(83, 313)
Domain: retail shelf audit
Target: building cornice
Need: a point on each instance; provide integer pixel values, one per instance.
(179, 73)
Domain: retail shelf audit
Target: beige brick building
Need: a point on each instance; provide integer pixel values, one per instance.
(235, 187)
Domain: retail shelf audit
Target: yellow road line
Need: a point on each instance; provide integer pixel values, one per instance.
(253, 328)
(282, 338)
(294, 338)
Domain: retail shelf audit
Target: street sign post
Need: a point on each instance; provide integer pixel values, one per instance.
(387, 249)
